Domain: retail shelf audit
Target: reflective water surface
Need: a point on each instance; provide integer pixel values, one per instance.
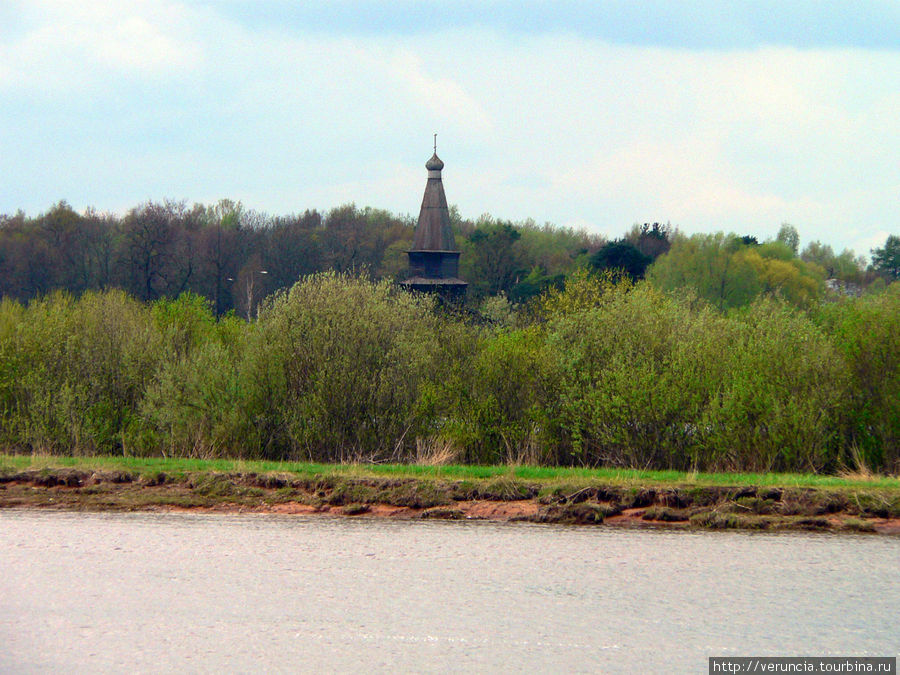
(197, 593)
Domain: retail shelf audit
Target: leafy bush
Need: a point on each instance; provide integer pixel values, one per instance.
(499, 405)
(197, 406)
(782, 397)
(866, 334)
(344, 362)
(638, 368)
(340, 368)
(76, 370)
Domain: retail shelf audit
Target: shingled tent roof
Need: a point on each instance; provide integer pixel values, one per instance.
(433, 232)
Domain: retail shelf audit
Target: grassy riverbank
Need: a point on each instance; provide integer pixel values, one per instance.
(537, 494)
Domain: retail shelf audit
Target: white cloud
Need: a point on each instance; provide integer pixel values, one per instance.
(134, 43)
(439, 97)
(740, 140)
(67, 45)
(555, 127)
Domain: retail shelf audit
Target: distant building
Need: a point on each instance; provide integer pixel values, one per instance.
(434, 258)
(844, 288)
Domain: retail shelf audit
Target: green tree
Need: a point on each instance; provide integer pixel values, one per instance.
(789, 236)
(846, 267)
(535, 283)
(781, 275)
(491, 261)
(866, 332)
(886, 259)
(651, 240)
(339, 363)
(779, 404)
(707, 264)
(621, 256)
(499, 404)
(79, 369)
(728, 272)
(554, 249)
(638, 368)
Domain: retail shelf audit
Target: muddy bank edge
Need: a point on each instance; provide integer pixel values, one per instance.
(502, 498)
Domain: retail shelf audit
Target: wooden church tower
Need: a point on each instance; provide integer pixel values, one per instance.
(434, 258)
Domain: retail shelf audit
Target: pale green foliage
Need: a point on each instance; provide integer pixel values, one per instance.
(583, 290)
(347, 360)
(552, 248)
(706, 263)
(780, 275)
(638, 370)
(197, 404)
(340, 368)
(498, 310)
(185, 322)
(729, 274)
(12, 367)
(81, 369)
(788, 235)
(650, 380)
(774, 250)
(780, 401)
(846, 267)
(499, 403)
(866, 333)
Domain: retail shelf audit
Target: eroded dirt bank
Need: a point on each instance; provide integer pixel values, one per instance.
(500, 499)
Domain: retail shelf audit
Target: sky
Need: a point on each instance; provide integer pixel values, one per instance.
(712, 115)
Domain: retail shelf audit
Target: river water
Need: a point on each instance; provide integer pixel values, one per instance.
(259, 593)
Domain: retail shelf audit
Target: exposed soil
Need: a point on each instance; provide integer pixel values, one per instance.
(499, 499)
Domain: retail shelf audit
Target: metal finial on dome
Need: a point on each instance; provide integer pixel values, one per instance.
(435, 163)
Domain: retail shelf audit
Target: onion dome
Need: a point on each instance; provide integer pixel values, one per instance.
(434, 164)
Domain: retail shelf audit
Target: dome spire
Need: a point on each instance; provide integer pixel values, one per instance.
(434, 165)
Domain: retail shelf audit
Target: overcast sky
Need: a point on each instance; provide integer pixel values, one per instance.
(711, 115)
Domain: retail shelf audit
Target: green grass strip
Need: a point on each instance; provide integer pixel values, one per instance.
(537, 474)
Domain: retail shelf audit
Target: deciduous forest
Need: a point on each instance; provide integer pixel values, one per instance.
(214, 332)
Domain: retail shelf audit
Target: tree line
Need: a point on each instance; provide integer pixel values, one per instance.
(236, 257)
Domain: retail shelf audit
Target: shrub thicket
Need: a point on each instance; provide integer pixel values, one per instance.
(779, 404)
(74, 372)
(865, 333)
(639, 369)
(340, 368)
(343, 362)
